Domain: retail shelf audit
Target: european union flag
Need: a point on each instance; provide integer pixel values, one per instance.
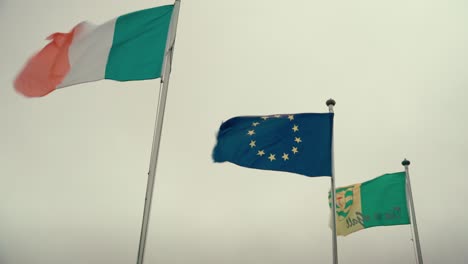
(298, 143)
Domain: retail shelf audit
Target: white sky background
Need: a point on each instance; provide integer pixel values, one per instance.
(73, 164)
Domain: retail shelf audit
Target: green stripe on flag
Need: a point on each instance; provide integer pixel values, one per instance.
(139, 43)
(341, 213)
(348, 203)
(383, 200)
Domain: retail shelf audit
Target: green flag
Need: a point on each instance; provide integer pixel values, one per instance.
(378, 202)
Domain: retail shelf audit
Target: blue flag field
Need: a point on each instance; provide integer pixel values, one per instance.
(297, 143)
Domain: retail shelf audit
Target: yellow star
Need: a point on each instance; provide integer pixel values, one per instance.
(295, 128)
(251, 132)
(285, 156)
(277, 116)
(261, 153)
(272, 157)
(265, 117)
(294, 150)
(255, 123)
(252, 143)
(298, 139)
(291, 117)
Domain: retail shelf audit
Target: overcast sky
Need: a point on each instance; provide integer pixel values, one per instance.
(73, 164)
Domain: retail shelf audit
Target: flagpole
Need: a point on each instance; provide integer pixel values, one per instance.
(166, 71)
(409, 194)
(331, 103)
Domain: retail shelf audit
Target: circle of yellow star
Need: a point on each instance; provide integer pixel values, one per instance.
(298, 139)
(291, 117)
(261, 153)
(251, 132)
(252, 143)
(255, 124)
(294, 150)
(295, 128)
(272, 157)
(285, 156)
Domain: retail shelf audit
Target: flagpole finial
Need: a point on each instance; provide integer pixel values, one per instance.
(330, 103)
(405, 162)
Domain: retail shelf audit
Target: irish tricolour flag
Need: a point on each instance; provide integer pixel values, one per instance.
(129, 47)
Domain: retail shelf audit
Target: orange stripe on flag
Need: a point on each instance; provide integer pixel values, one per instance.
(47, 69)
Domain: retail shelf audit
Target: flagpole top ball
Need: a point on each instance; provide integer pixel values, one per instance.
(330, 102)
(405, 162)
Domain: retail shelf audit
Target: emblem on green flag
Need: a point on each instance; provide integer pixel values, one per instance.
(344, 200)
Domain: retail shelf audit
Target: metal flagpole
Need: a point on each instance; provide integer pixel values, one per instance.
(166, 71)
(331, 103)
(409, 195)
